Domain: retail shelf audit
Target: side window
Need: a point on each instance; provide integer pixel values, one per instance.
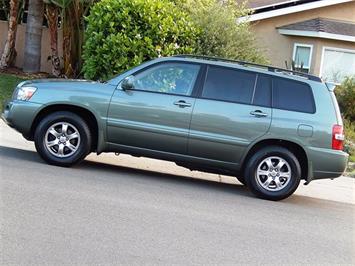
(175, 78)
(293, 96)
(229, 85)
(262, 94)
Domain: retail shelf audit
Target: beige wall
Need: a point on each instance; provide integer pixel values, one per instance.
(20, 44)
(279, 47)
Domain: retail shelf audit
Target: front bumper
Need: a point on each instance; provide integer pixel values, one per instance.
(326, 163)
(20, 115)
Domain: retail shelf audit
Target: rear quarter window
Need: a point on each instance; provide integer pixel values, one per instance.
(231, 85)
(292, 96)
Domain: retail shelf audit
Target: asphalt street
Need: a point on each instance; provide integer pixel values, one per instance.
(103, 212)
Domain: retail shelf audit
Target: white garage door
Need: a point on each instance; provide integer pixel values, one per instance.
(337, 64)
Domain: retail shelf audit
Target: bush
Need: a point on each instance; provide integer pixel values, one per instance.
(220, 34)
(349, 146)
(124, 33)
(345, 94)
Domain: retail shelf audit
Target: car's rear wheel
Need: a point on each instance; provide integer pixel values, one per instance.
(273, 173)
(62, 138)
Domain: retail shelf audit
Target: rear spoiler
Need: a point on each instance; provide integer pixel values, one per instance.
(331, 85)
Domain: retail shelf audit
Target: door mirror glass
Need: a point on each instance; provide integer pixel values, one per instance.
(128, 83)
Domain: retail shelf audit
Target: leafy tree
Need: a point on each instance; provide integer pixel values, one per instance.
(346, 97)
(345, 94)
(124, 33)
(220, 32)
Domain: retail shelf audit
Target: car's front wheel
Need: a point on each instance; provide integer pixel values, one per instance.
(62, 138)
(273, 173)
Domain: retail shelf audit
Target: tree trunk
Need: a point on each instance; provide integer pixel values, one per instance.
(32, 57)
(72, 38)
(52, 17)
(67, 43)
(9, 53)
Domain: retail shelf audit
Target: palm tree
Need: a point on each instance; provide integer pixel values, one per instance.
(9, 53)
(32, 57)
(73, 34)
(52, 12)
(72, 13)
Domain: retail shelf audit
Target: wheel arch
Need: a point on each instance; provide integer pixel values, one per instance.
(86, 114)
(293, 147)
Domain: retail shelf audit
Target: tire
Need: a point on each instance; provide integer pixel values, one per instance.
(266, 179)
(241, 180)
(63, 148)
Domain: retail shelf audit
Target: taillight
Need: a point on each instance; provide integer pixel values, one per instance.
(338, 137)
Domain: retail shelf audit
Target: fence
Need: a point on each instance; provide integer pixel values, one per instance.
(20, 45)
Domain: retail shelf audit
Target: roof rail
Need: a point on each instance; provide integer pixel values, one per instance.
(244, 63)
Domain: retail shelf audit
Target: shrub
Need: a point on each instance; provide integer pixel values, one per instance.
(345, 94)
(349, 146)
(124, 33)
(220, 34)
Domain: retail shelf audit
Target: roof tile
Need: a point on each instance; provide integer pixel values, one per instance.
(323, 25)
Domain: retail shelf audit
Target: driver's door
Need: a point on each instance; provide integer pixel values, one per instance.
(156, 113)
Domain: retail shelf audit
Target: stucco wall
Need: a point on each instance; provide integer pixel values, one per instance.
(20, 44)
(279, 47)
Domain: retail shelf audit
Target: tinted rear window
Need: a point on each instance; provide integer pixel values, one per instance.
(293, 96)
(262, 95)
(229, 85)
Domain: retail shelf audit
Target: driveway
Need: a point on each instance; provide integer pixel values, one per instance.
(125, 210)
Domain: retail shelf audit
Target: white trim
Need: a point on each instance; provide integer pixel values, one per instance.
(318, 34)
(291, 9)
(310, 54)
(321, 62)
(333, 49)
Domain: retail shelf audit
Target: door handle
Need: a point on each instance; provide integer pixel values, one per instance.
(258, 113)
(182, 104)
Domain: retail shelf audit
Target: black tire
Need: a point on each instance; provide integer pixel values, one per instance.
(83, 142)
(241, 180)
(255, 185)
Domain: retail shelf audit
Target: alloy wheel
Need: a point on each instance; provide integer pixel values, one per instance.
(62, 139)
(273, 173)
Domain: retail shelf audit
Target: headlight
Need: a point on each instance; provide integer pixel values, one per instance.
(25, 93)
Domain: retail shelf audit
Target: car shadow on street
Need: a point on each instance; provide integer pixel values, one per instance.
(118, 171)
(158, 177)
(19, 154)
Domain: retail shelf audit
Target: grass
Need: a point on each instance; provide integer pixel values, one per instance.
(8, 83)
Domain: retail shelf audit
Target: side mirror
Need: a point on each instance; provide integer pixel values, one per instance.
(128, 83)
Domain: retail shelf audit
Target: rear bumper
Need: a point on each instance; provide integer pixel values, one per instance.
(20, 115)
(326, 163)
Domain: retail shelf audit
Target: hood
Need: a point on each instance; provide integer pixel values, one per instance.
(37, 81)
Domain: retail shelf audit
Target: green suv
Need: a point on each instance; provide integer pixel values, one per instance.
(268, 126)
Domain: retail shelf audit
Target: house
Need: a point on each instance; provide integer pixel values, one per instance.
(317, 36)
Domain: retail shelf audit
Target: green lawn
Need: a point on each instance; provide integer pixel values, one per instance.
(7, 85)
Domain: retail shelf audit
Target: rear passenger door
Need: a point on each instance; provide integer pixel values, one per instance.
(232, 111)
